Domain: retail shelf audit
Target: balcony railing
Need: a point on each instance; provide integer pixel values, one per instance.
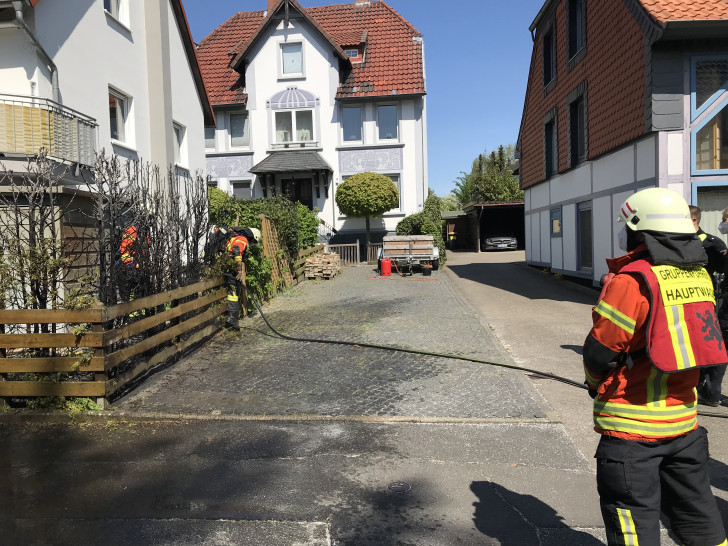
(28, 124)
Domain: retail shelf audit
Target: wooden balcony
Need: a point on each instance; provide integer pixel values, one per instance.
(28, 124)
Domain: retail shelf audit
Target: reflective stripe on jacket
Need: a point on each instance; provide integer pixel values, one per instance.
(634, 400)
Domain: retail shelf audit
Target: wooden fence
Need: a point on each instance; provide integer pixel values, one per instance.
(373, 252)
(349, 253)
(299, 266)
(98, 341)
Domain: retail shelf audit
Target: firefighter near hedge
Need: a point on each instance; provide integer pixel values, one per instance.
(130, 281)
(654, 329)
(237, 246)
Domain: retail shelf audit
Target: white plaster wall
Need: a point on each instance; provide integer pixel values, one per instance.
(617, 200)
(613, 170)
(529, 240)
(675, 153)
(539, 196)
(545, 236)
(572, 184)
(568, 230)
(20, 66)
(92, 52)
(645, 157)
(186, 104)
(535, 241)
(602, 215)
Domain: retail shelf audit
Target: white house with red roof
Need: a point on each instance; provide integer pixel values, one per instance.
(305, 97)
(621, 96)
(77, 77)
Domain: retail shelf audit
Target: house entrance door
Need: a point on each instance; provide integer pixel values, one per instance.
(300, 190)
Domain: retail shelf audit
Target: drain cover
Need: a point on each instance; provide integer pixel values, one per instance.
(399, 487)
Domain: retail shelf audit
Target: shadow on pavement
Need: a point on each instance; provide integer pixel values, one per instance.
(71, 484)
(517, 278)
(578, 349)
(515, 519)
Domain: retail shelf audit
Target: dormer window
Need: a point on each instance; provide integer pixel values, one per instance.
(354, 54)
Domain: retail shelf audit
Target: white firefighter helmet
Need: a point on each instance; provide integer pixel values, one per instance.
(257, 235)
(656, 209)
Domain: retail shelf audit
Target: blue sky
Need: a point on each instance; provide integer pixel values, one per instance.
(477, 55)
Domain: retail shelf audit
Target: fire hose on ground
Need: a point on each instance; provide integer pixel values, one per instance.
(357, 344)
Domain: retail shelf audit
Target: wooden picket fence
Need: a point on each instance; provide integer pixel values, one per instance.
(108, 348)
(174, 321)
(348, 252)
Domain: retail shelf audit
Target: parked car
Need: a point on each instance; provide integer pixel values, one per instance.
(504, 242)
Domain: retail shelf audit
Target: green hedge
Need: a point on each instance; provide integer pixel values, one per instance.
(297, 229)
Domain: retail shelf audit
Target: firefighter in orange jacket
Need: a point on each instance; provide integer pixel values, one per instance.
(129, 275)
(653, 329)
(237, 248)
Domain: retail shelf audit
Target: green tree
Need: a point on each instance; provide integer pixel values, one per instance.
(450, 202)
(367, 195)
(490, 178)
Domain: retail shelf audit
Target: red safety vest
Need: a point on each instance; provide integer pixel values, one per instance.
(237, 247)
(683, 331)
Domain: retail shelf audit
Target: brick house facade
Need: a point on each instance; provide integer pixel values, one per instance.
(606, 112)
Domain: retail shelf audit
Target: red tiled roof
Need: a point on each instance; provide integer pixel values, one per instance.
(393, 55)
(686, 10)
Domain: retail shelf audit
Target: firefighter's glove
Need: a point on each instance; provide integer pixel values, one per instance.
(592, 393)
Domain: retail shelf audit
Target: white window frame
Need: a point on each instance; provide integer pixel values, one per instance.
(125, 130)
(398, 183)
(230, 129)
(395, 139)
(118, 10)
(179, 133)
(281, 70)
(242, 183)
(361, 124)
(214, 138)
(294, 129)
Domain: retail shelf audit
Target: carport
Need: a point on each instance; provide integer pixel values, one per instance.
(504, 218)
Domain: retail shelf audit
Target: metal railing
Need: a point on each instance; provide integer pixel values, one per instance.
(28, 124)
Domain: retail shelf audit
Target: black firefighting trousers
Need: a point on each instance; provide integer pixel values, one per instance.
(234, 289)
(638, 479)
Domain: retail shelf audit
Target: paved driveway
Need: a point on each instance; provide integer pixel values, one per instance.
(256, 373)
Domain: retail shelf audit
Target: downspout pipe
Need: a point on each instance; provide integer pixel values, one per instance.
(20, 23)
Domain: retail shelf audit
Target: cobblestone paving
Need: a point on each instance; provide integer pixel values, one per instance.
(254, 372)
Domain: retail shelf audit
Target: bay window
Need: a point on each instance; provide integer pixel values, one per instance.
(294, 126)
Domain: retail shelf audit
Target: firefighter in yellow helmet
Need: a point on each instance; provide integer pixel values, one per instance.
(238, 247)
(654, 328)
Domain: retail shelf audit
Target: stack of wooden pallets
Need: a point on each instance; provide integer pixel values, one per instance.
(325, 265)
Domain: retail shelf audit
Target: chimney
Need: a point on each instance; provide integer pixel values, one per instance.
(271, 5)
